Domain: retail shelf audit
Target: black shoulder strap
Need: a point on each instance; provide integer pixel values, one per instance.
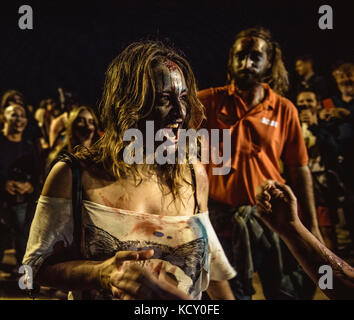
(196, 205)
(74, 164)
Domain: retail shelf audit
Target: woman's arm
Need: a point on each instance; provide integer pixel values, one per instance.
(217, 290)
(85, 275)
(52, 231)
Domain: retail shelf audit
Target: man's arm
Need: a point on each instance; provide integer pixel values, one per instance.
(301, 182)
(278, 208)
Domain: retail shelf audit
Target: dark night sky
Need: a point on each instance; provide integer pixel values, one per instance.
(73, 42)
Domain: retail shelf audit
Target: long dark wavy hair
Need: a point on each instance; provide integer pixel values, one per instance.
(128, 98)
(277, 75)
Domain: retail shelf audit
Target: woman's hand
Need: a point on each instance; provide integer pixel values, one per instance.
(136, 282)
(108, 268)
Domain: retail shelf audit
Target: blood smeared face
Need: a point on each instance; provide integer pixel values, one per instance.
(250, 62)
(170, 108)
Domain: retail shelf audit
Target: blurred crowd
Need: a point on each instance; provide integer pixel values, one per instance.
(327, 127)
(32, 137)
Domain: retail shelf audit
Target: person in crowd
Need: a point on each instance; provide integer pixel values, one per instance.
(19, 176)
(308, 79)
(32, 131)
(264, 128)
(44, 115)
(68, 102)
(12, 97)
(277, 207)
(321, 148)
(338, 113)
(129, 206)
(81, 130)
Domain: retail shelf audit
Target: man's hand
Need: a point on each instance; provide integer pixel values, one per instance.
(277, 206)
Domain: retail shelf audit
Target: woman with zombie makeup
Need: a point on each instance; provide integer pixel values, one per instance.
(82, 130)
(151, 215)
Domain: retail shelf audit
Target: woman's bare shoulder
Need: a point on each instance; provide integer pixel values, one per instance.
(59, 182)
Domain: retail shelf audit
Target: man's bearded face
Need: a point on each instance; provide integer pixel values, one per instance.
(250, 62)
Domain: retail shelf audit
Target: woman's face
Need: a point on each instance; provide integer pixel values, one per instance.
(170, 108)
(84, 127)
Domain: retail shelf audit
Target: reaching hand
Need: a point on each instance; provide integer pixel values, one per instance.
(277, 206)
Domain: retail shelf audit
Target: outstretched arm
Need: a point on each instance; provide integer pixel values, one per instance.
(301, 182)
(278, 208)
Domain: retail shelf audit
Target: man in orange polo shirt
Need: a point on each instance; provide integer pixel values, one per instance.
(264, 129)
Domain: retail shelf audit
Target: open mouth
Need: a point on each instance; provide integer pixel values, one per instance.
(175, 128)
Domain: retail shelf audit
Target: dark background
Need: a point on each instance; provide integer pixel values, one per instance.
(73, 42)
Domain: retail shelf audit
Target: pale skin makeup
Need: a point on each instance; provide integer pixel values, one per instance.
(171, 98)
(169, 112)
(250, 62)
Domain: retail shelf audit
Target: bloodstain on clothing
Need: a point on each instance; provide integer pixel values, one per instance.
(146, 227)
